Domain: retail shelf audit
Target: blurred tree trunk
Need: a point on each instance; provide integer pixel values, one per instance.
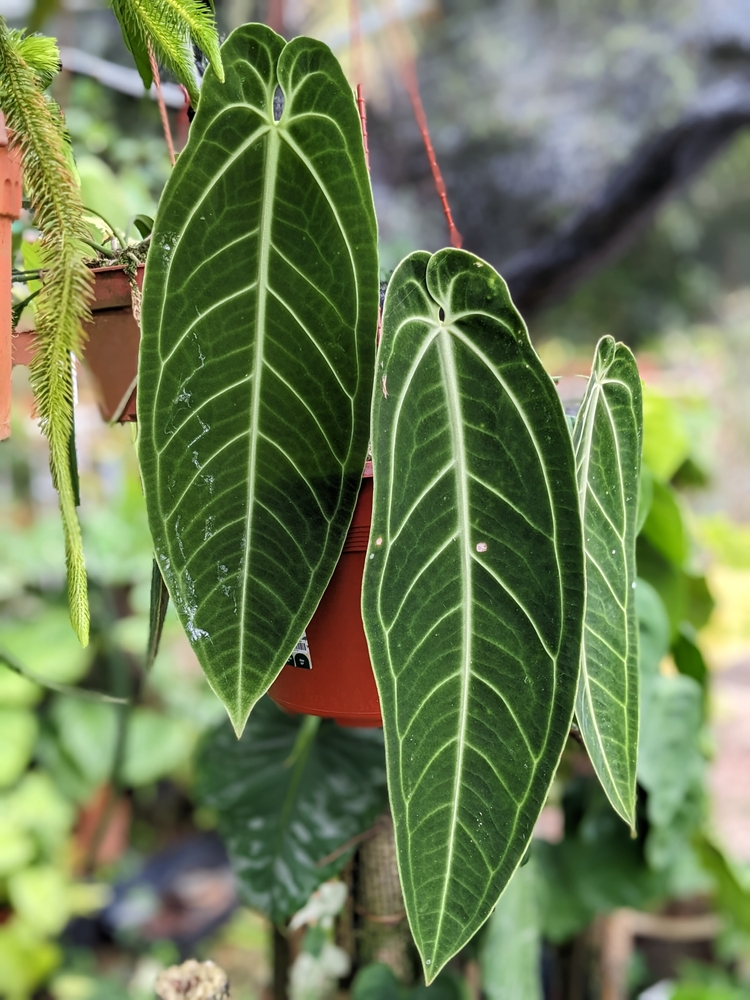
(383, 930)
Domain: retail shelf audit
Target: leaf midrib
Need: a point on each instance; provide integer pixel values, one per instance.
(452, 395)
(264, 252)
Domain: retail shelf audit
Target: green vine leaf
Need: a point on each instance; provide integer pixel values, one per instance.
(473, 591)
(292, 797)
(259, 318)
(607, 441)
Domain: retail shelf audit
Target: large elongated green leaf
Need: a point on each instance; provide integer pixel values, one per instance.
(287, 800)
(473, 592)
(607, 439)
(259, 319)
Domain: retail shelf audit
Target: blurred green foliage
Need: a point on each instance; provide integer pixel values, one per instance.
(675, 274)
(120, 152)
(57, 752)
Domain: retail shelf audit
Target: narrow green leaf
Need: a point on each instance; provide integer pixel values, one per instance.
(688, 657)
(283, 814)
(135, 41)
(664, 526)
(510, 956)
(85, 694)
(157, 613)
(144, 224)
(732, 893)
(257, 356)
(473, 591)
(607, 441)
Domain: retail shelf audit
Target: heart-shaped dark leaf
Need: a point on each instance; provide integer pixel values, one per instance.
(287, 798)
(259, 320)
(474, 591)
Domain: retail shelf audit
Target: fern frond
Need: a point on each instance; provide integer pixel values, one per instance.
(62, 304)
(170, 27)
(134, 40)
(40, 53)
(199, 19)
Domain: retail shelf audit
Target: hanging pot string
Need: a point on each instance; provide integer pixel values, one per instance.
(407, 67)
(162, 105)
(360, 838)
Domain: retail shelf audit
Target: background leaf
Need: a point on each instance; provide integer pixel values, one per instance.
(377, 982)
(281, 813)
(259, 320)
(607, 440)
(664, 527)
(473, 591)
(511, 952)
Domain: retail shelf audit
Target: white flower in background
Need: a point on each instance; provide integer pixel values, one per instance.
(315, 977)
(322, 907)
(321, 963)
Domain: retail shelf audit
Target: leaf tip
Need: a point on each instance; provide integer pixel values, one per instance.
(238, 717)
(80, 623)
(432, 966)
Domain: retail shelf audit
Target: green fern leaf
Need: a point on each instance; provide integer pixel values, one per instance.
(62, 304)
(170, 27)
(200, 23)
(40, 53)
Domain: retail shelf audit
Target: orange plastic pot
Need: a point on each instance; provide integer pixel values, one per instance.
(330, 673)
(111, 351)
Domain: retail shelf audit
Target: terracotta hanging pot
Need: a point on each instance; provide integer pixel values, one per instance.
(111, 351)
(329, 673)
(112, 338)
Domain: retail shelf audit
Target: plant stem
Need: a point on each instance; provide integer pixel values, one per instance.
(102, 250)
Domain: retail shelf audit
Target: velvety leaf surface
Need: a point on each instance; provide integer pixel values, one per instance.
(286, 801)
(259, 319)
(607, 440)
(473, 592)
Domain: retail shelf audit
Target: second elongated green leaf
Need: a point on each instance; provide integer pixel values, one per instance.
(607, 439)
(473, 593)
(259, 319)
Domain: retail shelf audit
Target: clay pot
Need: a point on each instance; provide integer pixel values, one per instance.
(111, 348)
(334, 677)
(111, 351)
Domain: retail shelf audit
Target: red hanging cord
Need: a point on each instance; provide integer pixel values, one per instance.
(407, 67)
(355, 44)
(162, 105)
(409, 76)
(363, 119)
(275, 16)
(356, 67)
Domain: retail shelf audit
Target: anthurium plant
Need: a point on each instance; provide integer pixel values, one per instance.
(499, 592)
